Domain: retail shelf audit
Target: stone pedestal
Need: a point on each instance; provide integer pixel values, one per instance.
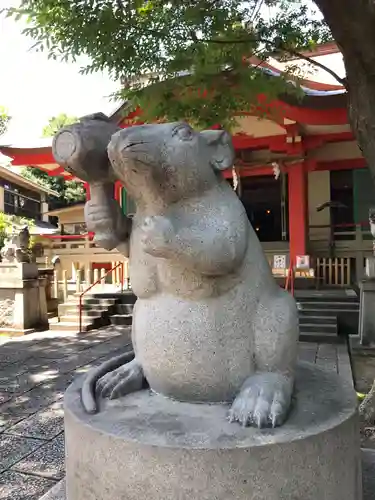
(19, 283)
(366, 327)
(145, 446)
(48, 275)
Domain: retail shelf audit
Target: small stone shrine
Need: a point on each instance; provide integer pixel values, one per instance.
(22, 292)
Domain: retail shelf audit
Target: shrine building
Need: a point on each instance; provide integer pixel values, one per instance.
(302, 179)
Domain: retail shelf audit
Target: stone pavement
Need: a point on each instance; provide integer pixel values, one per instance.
(34, 373)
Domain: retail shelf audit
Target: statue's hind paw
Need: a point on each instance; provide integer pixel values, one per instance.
(124, 380)
(264, 401)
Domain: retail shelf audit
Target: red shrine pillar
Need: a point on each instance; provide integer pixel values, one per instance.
(87, 188)
(117, 193)
(298, 225)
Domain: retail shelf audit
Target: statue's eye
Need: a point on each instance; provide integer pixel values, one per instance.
(184, 133)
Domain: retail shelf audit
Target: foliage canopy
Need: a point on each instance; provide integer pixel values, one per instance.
(8, 221)
(56, 123)
(4, 120)
(186, 48)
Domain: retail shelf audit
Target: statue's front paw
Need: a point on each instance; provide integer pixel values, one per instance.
(105, 220)
(124, 380)
(264, 401)
(157, 234)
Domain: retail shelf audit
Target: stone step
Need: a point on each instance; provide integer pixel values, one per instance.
(324, 305)
(124, 308)
(317, 319)
(97, 321)
(307, 311)
(121, 319)
(322, 337)
(71, 326)
(324, 296)
(124, 297)
(95, 310)
(87, 303)
(319, 327)
(87, 312)
(105, 301)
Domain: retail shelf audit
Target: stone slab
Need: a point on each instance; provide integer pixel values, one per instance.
(366, 327)
(58, 492)
(32, 401)
(22, 383)
(153, 447)
(45, 424)
(4, 397)
(13, 355)
(368, 468)
(14, 448)
(15, 486)
(47, 461)
(307, 352)
(7, 420)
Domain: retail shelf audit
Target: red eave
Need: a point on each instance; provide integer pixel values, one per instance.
(279, 143)
(35, 157)
(24, 157)
(277, 111)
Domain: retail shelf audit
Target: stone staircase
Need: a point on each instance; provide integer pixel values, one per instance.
(98, 309)
(324, 315)
(327, 315)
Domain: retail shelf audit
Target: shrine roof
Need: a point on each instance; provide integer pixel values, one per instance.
(63, 210)
(11, 176)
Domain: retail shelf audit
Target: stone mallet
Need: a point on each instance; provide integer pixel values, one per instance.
(81, 149)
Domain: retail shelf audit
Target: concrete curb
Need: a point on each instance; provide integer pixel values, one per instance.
(56, 493)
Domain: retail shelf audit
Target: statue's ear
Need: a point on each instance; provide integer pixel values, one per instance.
(222, 151)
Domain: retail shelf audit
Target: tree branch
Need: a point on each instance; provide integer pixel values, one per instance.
(338, 78)
(282, 48)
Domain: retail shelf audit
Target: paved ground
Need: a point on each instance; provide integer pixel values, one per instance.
(34, 373)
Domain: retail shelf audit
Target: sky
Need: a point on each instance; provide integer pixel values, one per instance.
(34, 89)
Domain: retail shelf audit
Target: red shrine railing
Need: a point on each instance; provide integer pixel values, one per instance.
(121, 266)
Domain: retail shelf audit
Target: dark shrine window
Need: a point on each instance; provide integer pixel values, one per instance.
(342, 213)
(266, 205)
(21, 202)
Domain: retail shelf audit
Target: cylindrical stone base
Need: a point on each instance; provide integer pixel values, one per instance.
(147, 447)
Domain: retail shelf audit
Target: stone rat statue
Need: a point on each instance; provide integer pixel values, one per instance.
(210, 323)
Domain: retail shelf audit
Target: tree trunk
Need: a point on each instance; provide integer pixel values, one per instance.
(352, 23)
